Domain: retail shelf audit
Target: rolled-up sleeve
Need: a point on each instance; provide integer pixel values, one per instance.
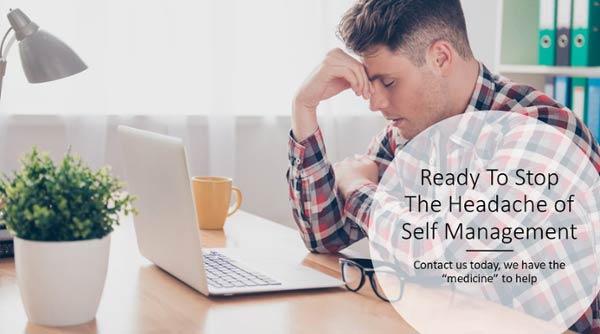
(317, 208)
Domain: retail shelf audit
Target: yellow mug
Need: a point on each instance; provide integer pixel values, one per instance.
(212, 197)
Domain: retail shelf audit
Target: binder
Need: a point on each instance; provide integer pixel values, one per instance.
(563, 32)
(585, 46)
(562, 93)
(593, 107)
(6, 249)
(549, 86)
(6, 242)
(579, 99)
(547, 32)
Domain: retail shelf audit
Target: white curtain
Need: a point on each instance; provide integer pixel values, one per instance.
(219, 74)
(157, 57)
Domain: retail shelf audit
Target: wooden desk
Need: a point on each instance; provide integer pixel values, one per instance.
(141, 298)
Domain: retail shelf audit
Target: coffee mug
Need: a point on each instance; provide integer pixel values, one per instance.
(212, 197)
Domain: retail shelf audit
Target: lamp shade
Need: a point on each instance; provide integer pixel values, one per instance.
(43, 56)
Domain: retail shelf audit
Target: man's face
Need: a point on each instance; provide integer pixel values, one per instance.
(414, 98)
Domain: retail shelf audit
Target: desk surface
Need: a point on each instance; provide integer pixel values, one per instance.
(139, 297)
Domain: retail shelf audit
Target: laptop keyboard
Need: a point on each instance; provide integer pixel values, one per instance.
(222, 272)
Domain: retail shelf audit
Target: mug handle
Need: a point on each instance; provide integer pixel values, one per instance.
(238, 201)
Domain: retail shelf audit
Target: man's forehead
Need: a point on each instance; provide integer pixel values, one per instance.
(381, 62)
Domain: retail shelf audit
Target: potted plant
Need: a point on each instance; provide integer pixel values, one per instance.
(61, 216)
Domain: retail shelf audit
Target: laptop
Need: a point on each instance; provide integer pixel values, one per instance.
(167, 232)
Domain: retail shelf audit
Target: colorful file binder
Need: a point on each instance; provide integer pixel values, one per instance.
(585, 46)
(562, 92)
(547, 32)
(593, 107)
(563, 32)
(578, 97)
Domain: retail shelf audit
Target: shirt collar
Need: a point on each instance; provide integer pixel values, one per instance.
(483, 94)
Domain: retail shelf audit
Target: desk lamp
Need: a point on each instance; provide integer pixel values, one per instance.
(43, 56)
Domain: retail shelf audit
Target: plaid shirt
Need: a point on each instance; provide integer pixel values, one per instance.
(328, 224)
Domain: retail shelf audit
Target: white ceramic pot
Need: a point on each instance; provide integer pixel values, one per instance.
(61, 282)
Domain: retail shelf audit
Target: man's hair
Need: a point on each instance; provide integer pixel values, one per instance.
(408, 26)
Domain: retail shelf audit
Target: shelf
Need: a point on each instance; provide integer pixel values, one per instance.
(587, 72)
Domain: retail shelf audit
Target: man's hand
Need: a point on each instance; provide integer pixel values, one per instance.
(352, 173)
(338, 72)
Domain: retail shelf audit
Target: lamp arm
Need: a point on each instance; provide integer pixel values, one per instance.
(2, 71)
(3, 58)
(4, 40)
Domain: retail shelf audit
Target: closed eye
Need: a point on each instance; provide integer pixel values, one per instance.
(388, 84)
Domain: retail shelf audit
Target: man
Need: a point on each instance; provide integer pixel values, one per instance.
(416, 67)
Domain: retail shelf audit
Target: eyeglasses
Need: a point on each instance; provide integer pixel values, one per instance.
(386, 275)
(355, 270)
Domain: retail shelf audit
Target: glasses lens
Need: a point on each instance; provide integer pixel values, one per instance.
(387, 284)
(352, 275)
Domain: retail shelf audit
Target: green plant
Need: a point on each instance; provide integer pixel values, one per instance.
(64, 202)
